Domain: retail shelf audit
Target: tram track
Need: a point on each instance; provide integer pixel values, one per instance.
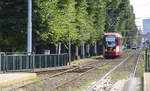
(130, 86)
(63, 85)
(99, 85)
(93, 86)
(76, 73)
(107, 61)
(80, 70)
(46, 75)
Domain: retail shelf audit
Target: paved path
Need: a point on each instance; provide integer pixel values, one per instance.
(15, 78)
(146, 81)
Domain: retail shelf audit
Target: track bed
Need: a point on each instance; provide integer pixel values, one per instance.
(74, 77)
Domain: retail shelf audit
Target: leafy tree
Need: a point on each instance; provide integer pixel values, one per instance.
(96, 19)
(121, 19)
(82, 21)
(13, 25)
(87, 20)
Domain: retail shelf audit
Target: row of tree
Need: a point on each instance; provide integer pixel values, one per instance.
(54, 21)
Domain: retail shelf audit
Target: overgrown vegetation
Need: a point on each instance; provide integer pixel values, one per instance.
(119, 75)
(83, 87)
(140, 71)
(106, 67)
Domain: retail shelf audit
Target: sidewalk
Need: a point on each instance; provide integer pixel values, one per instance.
(146, 81)
(9, 79)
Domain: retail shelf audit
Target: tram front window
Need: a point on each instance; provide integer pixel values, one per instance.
(110, 42)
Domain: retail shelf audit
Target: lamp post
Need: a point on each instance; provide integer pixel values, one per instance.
(29, 37)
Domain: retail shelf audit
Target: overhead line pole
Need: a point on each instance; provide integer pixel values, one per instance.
(29, 37)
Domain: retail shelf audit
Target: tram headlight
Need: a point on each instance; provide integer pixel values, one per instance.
(117, 49)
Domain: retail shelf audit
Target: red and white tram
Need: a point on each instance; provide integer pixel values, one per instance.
(112, 44)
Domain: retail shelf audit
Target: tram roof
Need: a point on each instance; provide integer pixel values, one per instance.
(116, 34)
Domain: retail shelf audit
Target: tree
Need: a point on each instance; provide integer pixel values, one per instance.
(13, 25)
(86, 20)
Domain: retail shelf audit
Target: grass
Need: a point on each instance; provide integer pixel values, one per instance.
(106, 67)
(119, 76)
(141, 85)
(143, 52)
(84, 60)
(140, 69)
(6, 86)
(30, 87)
(140, 72)
(83, 87)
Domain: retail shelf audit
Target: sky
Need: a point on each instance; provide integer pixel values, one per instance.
(141, 8)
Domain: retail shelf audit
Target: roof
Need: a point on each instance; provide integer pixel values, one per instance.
(116, 34)
(146, 36)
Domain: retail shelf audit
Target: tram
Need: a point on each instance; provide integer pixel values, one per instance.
(134, 46)
(112, 45)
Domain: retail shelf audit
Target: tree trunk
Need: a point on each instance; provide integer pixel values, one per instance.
(56, 48)
(87, 50)
(77, 53)
(82, 51)
(34, 48)
(59, 51)
(95, 49)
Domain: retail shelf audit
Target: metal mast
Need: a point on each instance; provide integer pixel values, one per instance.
(29, 44)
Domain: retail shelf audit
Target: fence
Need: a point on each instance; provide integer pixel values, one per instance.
(24, 62)
(147, 60)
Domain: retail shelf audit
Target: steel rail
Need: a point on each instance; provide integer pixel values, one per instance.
(80, 75)
(90, 88)
(133, 74)
(94, 67)
(45, 78)
(51, 76)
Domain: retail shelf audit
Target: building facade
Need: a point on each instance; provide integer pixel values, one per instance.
(146, 26)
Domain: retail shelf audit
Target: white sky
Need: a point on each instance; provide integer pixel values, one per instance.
(141, 8)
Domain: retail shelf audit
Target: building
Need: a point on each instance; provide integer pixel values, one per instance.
(146, 26)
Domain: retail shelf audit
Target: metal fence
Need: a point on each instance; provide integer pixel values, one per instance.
(147, 60)
(24, 62)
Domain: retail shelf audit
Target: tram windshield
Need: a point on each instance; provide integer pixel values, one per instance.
(110, 42)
